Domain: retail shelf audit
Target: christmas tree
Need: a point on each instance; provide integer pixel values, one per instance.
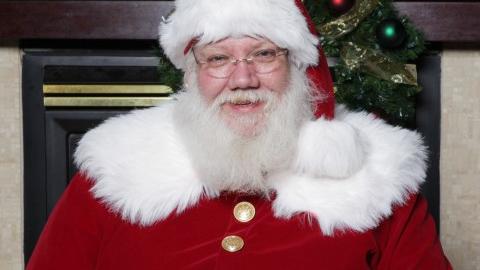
(374, 48)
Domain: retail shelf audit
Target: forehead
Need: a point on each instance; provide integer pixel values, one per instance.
(240, 43)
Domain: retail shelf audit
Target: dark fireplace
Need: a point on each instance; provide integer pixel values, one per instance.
(73, 86)
(67, 90)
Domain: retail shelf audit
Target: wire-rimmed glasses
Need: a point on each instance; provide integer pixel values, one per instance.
(261, 61)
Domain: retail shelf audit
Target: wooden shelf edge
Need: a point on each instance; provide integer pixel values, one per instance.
(455, 22)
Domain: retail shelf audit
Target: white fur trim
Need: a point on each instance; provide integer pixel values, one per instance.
(140, 168)
(280, 21)
(330, 148)
(349, 172)
(375, 167)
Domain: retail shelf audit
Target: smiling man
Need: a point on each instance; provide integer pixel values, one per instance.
(243, 88)
(248, 168)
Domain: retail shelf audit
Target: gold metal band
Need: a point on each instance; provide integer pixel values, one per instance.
(99, 95)
(106, 89)
(103, 101)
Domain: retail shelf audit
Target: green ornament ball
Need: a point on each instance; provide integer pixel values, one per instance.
(391, 33)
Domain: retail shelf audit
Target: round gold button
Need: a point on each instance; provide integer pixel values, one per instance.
(232, 243)
(244, 211)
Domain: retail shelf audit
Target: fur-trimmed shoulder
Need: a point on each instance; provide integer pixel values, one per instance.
(351, 172)
(139, 167)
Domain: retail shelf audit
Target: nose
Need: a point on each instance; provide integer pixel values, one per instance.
(243, 77)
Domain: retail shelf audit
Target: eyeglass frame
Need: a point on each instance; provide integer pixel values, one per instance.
(249, 60)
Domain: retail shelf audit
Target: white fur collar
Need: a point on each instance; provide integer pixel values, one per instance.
(349, 172)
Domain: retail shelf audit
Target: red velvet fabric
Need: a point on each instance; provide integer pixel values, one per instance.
(83, 234)
(320, 74)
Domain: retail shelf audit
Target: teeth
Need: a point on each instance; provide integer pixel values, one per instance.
(244, 102)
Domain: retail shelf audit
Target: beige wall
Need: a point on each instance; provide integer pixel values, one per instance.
(460, 164)
(460, 157)
(11, 211)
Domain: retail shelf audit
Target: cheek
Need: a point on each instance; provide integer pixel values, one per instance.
(278, 81)
(209, 87)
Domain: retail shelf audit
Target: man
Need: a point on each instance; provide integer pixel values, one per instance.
(237, 173)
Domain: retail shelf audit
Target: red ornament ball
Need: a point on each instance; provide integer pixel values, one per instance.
(339, 7)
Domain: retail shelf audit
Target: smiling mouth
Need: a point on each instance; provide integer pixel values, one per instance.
(242, 102)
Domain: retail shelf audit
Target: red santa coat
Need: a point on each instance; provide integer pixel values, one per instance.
(356, 215)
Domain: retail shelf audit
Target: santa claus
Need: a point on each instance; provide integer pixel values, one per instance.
(250, 166)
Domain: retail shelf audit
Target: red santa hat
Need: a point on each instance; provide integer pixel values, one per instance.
(284, 22)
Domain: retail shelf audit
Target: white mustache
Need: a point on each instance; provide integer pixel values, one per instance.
(245, 97)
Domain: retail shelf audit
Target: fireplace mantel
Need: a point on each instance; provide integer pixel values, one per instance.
(446, 22)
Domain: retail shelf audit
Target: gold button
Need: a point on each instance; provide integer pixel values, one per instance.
(232, 243)
(244, 211)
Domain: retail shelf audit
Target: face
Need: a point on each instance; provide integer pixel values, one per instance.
(241, 162)
(240, 95)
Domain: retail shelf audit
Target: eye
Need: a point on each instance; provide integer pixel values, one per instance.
(265, 55)
(217, 60)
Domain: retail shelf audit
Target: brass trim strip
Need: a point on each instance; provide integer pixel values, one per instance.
(106, 89)
(104, 101)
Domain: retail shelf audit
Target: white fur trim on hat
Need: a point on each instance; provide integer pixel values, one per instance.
(279, 21)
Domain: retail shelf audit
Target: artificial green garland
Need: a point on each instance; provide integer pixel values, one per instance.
(169, 74)
(358, 89)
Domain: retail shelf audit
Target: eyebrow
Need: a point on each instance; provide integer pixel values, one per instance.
(213, 46)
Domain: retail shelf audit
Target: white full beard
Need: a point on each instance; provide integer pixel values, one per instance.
(226, 160)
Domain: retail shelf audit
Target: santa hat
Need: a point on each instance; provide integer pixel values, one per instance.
(284, 22)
